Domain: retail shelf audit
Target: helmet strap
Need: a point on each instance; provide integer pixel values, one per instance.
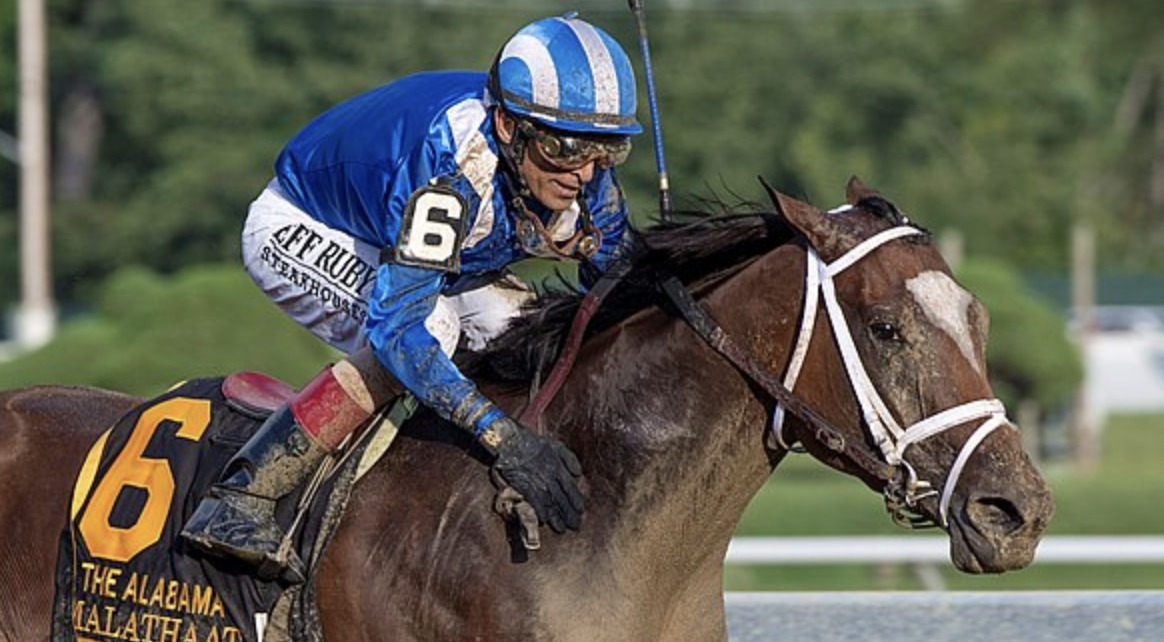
(582, 245)
(511, 156)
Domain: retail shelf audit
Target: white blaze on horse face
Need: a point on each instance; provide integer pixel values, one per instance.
(947, 306)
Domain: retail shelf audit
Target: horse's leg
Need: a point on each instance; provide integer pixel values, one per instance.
(44, 435)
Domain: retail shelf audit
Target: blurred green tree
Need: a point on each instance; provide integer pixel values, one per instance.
(1029, 354)
(149, 331)
(1005, 120)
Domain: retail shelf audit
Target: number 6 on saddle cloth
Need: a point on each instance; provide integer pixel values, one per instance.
(123, 570)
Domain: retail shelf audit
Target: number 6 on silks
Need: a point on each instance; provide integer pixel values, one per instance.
(432, 229)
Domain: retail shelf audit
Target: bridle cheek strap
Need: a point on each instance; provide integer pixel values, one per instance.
(891, 439)
(800, 350)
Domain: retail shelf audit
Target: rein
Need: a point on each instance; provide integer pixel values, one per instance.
(903, 490)
(532, 415)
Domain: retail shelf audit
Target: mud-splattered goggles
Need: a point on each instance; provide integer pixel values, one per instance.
(565, 152)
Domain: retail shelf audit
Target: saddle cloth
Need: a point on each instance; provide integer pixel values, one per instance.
(123, 574)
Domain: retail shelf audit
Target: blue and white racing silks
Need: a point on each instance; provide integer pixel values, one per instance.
(355, 167)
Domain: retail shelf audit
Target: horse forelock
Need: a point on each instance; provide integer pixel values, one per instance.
(891, 216)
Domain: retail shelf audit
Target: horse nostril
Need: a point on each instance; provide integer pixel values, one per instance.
(995, 514)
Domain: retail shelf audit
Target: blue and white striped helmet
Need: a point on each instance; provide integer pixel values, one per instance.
(569, 75)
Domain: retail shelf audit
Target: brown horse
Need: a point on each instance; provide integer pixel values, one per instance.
(674, 439)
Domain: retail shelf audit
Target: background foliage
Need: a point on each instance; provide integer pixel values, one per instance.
(148, 331)
(1006, 119)
(1029, 355)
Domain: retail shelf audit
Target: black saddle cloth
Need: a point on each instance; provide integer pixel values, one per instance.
(122, 571)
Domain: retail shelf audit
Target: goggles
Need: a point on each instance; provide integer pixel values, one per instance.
(565, 152)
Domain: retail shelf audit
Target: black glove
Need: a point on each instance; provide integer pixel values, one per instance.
(541, 468)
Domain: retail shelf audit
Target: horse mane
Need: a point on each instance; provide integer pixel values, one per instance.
(701, 247)
(698, 247)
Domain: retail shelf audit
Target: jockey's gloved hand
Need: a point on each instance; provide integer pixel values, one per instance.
(539, 467)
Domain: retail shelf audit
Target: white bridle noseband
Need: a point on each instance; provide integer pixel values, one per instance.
(889, 436)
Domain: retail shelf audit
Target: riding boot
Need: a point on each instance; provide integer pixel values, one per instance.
(236, 518)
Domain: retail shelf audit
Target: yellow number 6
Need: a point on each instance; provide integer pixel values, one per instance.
(154, 476)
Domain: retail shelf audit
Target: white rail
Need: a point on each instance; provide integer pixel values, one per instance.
(925, 549)
(926, 553)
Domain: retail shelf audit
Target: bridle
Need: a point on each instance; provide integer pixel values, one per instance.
(903, 489)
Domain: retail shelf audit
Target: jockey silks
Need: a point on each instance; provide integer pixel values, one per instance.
(342, 195)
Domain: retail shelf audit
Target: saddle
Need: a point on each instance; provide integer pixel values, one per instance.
(123, 572)
(256, 391)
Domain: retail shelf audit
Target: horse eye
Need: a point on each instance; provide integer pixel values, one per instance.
(885, 331)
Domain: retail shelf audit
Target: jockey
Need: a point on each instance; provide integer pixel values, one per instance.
(387, 232)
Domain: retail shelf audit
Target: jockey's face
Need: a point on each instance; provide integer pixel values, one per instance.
(554, 186)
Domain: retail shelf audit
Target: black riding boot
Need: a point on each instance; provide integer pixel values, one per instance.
(236, 518)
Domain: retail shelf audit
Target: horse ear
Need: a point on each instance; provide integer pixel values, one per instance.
(856, 191)
(823, 232)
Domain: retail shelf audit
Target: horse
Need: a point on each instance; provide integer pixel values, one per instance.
(675, 438)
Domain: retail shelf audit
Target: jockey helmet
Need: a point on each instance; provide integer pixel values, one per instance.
(567, 75)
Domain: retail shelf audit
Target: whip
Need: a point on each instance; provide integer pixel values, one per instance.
(636, 7)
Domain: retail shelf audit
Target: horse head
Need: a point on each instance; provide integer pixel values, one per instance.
(911, 344)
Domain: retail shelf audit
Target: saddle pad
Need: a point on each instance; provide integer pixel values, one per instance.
(122, 571)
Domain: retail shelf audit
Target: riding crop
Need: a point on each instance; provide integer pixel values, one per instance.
(636, 7)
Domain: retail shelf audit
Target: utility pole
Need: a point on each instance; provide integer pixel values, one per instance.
(36, 317)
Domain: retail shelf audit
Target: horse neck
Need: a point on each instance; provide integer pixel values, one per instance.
(671, 435)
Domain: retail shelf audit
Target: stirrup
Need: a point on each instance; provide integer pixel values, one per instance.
(236, 526)
(285, 565)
